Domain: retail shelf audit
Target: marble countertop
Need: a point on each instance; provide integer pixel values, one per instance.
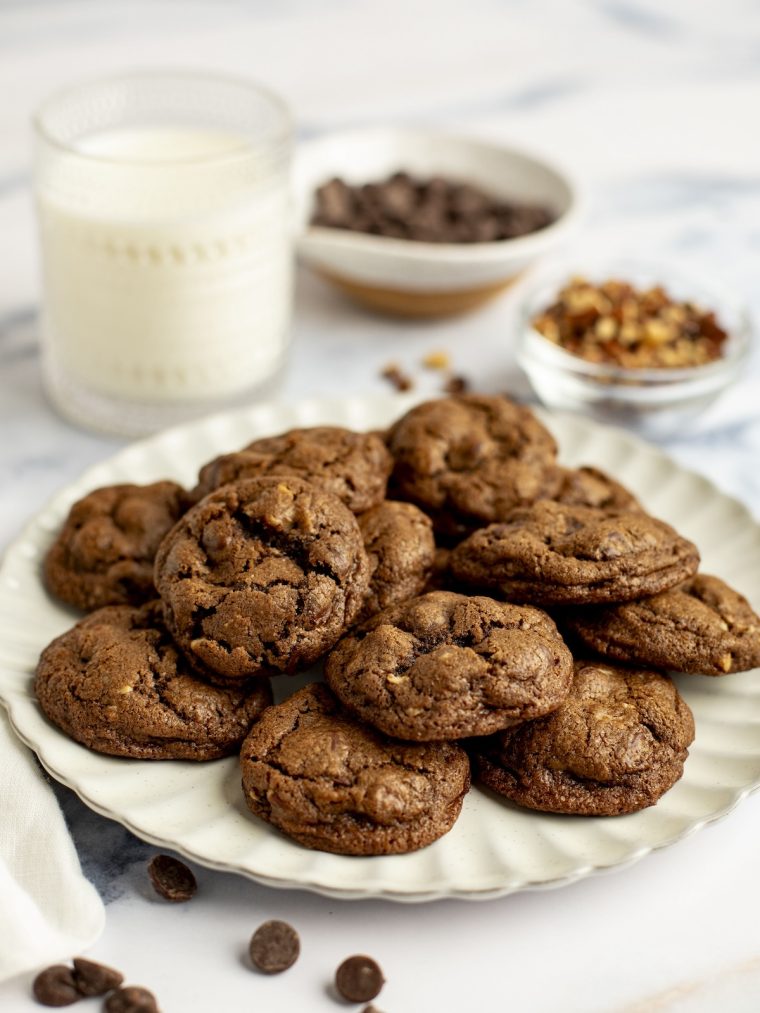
(653, 105)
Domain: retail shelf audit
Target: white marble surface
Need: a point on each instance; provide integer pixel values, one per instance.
(654, 106)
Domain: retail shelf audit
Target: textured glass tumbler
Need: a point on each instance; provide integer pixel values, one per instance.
(164, 214)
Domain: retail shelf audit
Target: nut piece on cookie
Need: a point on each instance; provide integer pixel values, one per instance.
(262, 576)
(593, 487)
(469, 460)
(553, 554)
(352, 466)
(333, 784)
(117, 683)
(398, 538)
(448, 666)
(700, 626)
(616, 745)
(104, 553)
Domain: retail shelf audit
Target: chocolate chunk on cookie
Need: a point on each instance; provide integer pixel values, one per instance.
(700, 626)
(352, 466)
(446, 666)
(262, 576)
(469, 460)
(398, 538)
(104, 553)
(616, 745)
(332, 784)
(593, 487)
(550, 553)
(117, 683)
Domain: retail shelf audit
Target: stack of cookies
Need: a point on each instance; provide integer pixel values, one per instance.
(474, 604)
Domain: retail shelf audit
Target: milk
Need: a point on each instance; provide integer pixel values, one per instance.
(167, 265)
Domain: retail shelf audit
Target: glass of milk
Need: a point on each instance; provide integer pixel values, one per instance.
(163, 206)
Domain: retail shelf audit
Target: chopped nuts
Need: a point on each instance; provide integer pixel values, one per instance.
(618, 324)
(395, 376)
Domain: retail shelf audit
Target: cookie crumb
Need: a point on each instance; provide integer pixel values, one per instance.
(274, 947)
(397, 377)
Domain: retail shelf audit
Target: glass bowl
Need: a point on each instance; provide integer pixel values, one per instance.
(655, 402)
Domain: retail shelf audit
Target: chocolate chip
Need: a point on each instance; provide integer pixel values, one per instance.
(371, 1009)
(359, 978)
(95, 979)
(274, 947)
(171, 878)
(55, 986)
(132, 999)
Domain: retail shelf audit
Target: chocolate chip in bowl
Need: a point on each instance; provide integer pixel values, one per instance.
(458, 225)
(641, 345)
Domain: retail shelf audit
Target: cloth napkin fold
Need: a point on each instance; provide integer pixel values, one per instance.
(48, 910)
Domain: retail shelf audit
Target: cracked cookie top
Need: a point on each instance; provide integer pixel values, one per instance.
(262, 576)
(469, 460)
(448, 666)
(104, 553)
(550, 553)
(117, 683)
(336, 785)
(352, 466)
(701, 626)
(398, 538)
(615, 745)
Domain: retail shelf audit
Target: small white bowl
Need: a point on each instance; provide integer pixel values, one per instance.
(414, 278)
(658, 403)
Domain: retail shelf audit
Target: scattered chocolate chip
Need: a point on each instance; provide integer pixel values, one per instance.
(456, 385)
(435, 210)
(359, 978)
(132, 999)
(91, 978)
(371, 1009)
(274, 947)
(171, 878)
(397, 377)
(55, 986)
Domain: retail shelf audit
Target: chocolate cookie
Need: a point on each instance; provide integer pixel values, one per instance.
(550, 553)
(701, 626)
(445, 666)
(398, 538)
(117, 683)
(333, 784)
(352, 466)
(615, 745)
(469, 460)
(592, 487)
(104, 553)
(262, 576)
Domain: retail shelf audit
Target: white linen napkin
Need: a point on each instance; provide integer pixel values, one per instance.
(48, 910)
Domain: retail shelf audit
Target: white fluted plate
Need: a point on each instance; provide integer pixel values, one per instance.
(495, 848)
